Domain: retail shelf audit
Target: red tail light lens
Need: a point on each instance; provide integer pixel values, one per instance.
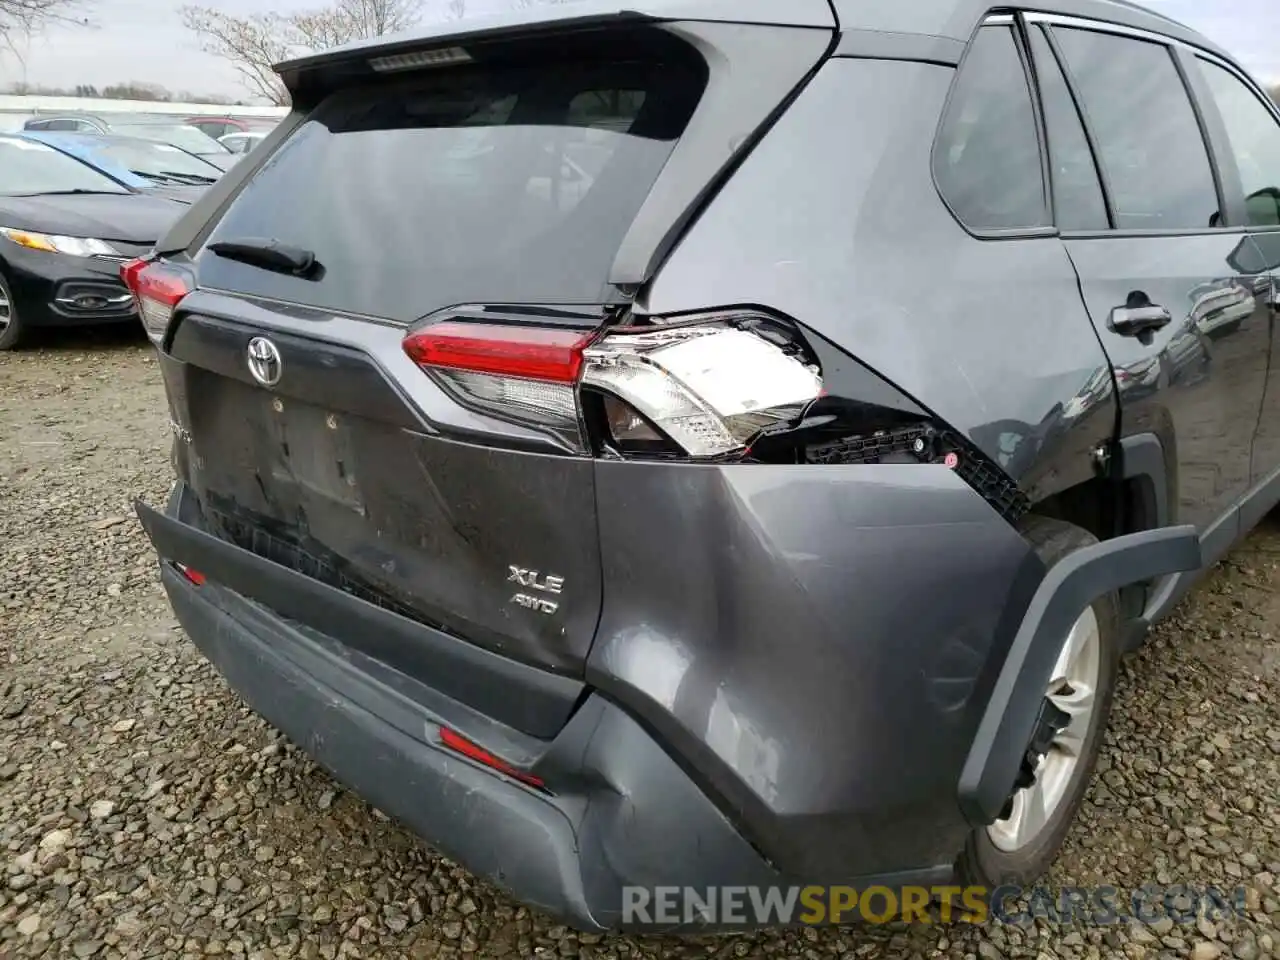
(533, 353)
(456, 742)
(193, 576)
(157, 289)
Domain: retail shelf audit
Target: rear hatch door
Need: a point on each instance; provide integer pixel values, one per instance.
(502, 190)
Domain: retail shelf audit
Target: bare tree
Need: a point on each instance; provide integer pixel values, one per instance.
(254, 44)
(29, 16)
(24, 18)
(250, 44)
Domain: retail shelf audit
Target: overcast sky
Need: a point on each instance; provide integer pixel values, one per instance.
(144, 40)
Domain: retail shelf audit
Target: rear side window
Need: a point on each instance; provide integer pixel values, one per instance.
(1151, 146)
(1255, 142)
(483, 185)
(1078, 200)
(987, 160)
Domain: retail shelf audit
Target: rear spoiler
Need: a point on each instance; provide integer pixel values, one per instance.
(485, 32)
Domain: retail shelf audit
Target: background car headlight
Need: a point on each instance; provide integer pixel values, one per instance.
(51, 243)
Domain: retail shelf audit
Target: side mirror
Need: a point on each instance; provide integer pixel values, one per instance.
(1247, 259)
(1264, 208)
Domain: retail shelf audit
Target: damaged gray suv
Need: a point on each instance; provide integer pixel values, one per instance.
(716, 443)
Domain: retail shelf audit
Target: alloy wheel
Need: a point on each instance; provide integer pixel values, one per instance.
(1073, 691)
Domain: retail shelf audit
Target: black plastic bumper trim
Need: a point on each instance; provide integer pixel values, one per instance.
(991, 768)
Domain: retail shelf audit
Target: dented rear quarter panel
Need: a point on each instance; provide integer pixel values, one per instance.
(817, 642)
(849, 237)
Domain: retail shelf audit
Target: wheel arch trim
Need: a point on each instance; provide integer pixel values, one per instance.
(991, 767)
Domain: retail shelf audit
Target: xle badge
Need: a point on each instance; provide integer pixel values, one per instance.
(535, 583)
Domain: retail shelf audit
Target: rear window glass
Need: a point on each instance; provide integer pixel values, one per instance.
(988, 158)
(484, 185)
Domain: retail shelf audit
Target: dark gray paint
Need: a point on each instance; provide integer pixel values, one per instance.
(752, 72)
(630, 820)
(432, 523)
(529, 700)
(849, 237)
(823, 692)
(381, 343)
(882, 45)
(1204, 399)
(958, 19)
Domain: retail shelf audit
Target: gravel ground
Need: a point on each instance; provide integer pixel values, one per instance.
(144, 812)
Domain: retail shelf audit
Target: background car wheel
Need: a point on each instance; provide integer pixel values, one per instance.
(10, 326)
(1020, 847)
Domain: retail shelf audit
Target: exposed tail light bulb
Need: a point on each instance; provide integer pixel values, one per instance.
(629, 432)
(708, 385)
(711, 386)
(157, 289)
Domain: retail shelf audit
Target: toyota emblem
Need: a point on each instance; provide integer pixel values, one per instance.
(264, 361)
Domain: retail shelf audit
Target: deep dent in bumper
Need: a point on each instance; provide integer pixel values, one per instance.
(820, 643)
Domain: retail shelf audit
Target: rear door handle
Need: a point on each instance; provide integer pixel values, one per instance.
(1137, 321)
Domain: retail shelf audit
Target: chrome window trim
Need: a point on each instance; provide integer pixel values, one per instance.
(1267, 102)
(1085, 23)
(1103, 26)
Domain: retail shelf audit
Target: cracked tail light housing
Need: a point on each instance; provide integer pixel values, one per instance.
(702, 388)
(736, 386)
(710, 386)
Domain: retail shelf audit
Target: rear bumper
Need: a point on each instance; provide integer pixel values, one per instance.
(624, 813)
(802, 759)
(642, 823)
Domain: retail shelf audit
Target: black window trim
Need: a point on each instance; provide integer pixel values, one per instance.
(1098, 166)
(1212, 131)
(1010, 19)
(1193, 57)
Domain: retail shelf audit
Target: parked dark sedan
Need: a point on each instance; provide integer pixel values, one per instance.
(65, 229)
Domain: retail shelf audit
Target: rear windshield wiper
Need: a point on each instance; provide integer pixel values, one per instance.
(268, 254)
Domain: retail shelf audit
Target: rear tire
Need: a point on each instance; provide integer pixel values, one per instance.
(1021, 847)
(11, 329)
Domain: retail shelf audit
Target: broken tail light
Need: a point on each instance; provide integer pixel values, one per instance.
(732, 386)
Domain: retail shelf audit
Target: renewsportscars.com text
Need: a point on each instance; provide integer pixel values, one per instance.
(815, 905)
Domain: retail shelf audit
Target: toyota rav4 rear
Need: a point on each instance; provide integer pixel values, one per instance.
(590, 594)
